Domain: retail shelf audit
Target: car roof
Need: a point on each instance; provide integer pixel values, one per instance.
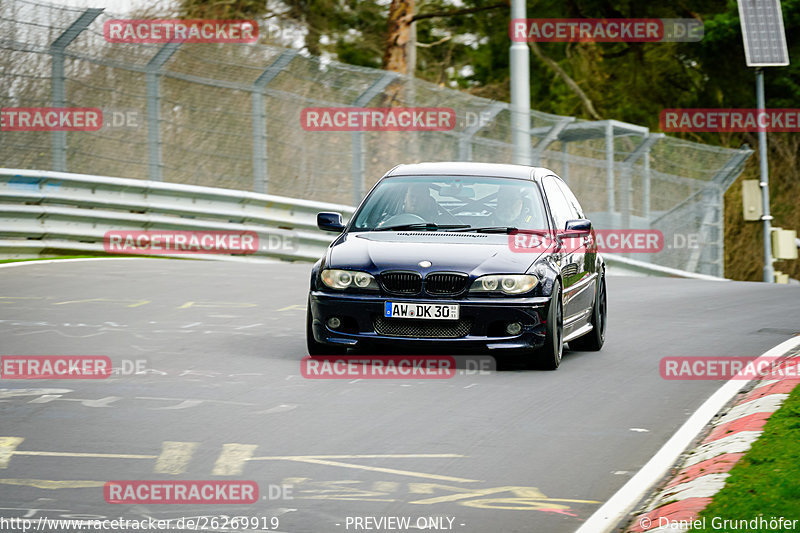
(465, 168)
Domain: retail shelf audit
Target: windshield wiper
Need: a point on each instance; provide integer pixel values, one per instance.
(491, 229)
(427, 226)
(502, 229)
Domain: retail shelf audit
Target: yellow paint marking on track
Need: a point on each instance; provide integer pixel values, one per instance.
(226, 305)
(293, 307)
(232, 459)
(381, 469)
(52, 484)
(430, 488)
(175, 457)
(82, 454)
(386, 486)
(7, 447)
(132, 303)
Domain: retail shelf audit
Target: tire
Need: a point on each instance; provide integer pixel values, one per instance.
(594, 340)
(318, 348)
(548, 357)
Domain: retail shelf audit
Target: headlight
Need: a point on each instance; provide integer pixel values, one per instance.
(345, 279)
(507, 283)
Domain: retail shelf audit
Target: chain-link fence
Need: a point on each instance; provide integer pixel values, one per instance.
(228, 115)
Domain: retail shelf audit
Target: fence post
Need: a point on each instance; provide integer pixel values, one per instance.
(260, 157)
(59, 96)
(465, 138)
(641, 151)
(547, 140)
(610, 167)
(358, 166)
(152, 75)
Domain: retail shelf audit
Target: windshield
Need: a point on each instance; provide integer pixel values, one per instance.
(452, 203)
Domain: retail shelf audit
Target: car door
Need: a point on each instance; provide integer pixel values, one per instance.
(584, 288)
(570, 258)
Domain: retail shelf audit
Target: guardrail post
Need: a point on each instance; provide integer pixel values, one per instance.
(465, 137)
(358, 165)
(57, 49)
(260, 157)
(152, 74)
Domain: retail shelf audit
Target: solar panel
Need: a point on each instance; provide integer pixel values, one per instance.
(763, 33)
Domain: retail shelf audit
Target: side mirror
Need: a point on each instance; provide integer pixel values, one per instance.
(580, 226)
(330, 222)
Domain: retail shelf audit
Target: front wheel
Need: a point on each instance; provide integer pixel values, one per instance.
(548, 357)
(593, 341)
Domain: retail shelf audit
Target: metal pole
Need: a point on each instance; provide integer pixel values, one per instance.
(259, 124)
(358, 166)
(520, 93)
(610, 167)
(152, 77)
(484, 118)
(153, 127)
(259, 120)
(57, 49)
(646, 186)
(769, 271)
(59, 137)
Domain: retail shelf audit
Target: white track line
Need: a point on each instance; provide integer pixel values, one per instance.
(608, 516)
(73, 260)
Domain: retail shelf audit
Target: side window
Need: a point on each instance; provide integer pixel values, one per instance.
(571, 200)
(559, 207)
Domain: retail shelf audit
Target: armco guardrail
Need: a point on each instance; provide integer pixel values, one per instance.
(50, 213)
(57, 213)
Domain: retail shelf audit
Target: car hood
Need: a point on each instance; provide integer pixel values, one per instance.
(472, 253)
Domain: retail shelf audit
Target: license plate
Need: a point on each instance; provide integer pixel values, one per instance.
(423, 311)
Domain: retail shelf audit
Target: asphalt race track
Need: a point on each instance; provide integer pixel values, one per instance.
(222, 398)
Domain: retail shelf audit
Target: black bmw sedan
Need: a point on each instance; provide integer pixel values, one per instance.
(461, 256)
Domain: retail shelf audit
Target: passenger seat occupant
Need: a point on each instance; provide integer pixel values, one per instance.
(510, 210)
(418, 201)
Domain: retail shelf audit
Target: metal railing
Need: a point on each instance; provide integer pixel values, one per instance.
(54, 213)
(44, 213)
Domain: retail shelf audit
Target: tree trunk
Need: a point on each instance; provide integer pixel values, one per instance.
(395, 55)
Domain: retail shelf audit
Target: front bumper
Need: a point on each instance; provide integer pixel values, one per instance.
(486, 317)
